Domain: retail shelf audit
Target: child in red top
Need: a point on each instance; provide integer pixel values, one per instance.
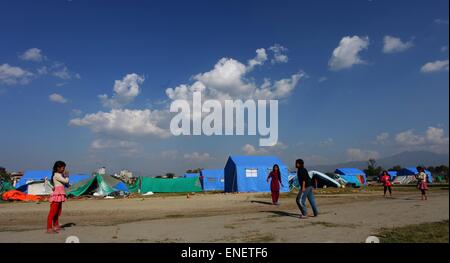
(386, 181)
(59, 180)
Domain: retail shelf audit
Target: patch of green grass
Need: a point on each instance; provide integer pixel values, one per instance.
(421, 233)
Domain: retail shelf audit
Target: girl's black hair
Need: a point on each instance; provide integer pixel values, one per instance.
(276, 165)
(57, 165)
(385, 172)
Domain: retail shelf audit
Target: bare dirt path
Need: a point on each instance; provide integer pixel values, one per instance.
(222, 218)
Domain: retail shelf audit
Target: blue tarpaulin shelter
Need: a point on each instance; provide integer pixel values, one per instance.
(249, 173)
(410, 171)
(213, 180)
(352, 176)
(392, 174)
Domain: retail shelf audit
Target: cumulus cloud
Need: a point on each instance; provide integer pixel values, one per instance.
(55, 97)
(10, 75)
(33, 54)
(197, 157)
(60, 70)
(439, 65)
(125, 91)
(322, 79)
(433, 140)
(279, 54)
(261, 57)
(347, 53)
(395, 44)
(228, 81)
(125, 122)
(355, 154)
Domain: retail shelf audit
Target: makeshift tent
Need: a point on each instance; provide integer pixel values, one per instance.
(6, 186)
(102, 185)
(249, 173)
(34, 182)
(352, 176)
(173, 185)
(412, 171)
(320, 178)
(191, 175)
(213, 180)
(392, 174)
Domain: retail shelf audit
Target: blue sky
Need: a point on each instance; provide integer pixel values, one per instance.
(373, 79)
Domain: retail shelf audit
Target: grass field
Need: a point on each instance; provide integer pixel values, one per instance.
(421, 233)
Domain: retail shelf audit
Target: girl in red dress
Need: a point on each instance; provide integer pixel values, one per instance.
(386, 180)
(275, 175)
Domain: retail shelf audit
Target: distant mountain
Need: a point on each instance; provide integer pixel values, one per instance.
(404, 159)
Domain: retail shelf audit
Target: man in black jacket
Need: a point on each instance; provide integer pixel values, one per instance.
(305, 190)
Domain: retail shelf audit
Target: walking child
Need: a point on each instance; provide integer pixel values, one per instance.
(386, 181)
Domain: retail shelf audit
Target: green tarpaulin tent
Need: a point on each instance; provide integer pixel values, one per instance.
(161, 185)
(5, 187)
(102, 184)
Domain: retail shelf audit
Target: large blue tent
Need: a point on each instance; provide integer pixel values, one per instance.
(249, 173)
(40, 175)
(352, 175)
(213, 180)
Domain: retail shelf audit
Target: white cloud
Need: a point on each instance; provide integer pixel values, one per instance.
(61, 71)
(169, 154)
(444, 48)
(408, 138)
(279, 54)
(57, 98)
(436, 136)
(249, 149)
(433, 140)
(355, 154)
(261, 57)
(197, 157)
(42, 70)
(76, 112)
(347, 53)
(228, 80)
(10, 75)
(125, 91)
(127, 148)
(436, 66)
(382, 138)
(395, 44)
(33, 54)
(125, 122)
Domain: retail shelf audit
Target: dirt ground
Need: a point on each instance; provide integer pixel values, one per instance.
(223, 218)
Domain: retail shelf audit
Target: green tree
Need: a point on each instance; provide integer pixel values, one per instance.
(396, 168)
(372, 170)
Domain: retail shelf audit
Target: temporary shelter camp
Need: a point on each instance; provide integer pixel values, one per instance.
(408, 175)
(165, 185)
(352, 176)
(320, 180)
(392, 174)
(213, 180)
(191, 175)
(249, 173)
(101, 185)
(34, 182)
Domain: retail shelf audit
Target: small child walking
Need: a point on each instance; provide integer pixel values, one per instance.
(59, 180)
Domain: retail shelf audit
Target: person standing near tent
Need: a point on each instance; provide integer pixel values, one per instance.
(58, 180)
(386, 181)
(422, 184)
(275, 175)
(305, 190)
